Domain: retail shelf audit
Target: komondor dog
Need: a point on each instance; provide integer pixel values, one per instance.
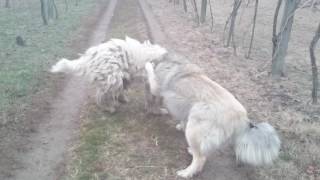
(110, 66)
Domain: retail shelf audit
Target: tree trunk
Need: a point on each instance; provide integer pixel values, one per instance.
(7, 5)
(233, 17)
(315, 81)
(44, 12)
(283, 38)
(196, 12)
(67, 4)
(211, 13)
(274, 28)
(55, 9)
(203, 11)
(253, 28)
(185, 7)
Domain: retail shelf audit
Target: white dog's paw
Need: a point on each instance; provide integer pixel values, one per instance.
(179, 127)
(185, 173)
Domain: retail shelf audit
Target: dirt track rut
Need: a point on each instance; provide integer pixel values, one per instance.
(46, 155)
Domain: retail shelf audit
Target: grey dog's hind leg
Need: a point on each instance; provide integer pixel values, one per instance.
(198, 158)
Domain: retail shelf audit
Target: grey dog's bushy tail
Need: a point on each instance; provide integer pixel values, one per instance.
(257, 145)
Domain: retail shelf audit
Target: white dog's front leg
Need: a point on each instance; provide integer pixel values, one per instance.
(154, 89)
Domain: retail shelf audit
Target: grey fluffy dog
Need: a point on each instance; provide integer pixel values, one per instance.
(208, 114)
(110, 67)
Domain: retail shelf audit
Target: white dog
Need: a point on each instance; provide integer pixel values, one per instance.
(110, 66)
(209, 114)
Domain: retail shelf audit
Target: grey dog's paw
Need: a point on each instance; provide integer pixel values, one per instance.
(185, 173)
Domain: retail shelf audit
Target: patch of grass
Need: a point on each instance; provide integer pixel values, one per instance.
(23, 68)
(97, 133)
(127, 145)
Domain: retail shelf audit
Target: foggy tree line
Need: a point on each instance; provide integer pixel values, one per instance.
(282, 27)
(48, 8)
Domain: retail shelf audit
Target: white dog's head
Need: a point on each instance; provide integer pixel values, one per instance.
(140, 53)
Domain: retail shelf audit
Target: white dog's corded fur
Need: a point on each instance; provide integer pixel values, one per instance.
(110, 65)
(209, 114)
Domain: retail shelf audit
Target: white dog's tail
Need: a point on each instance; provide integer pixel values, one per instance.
(257, 144)
(66, 66)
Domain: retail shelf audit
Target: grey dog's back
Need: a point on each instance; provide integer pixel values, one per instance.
(177, 75)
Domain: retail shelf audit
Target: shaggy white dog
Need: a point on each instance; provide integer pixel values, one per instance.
(110, 66)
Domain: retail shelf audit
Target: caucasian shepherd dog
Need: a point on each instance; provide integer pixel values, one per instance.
(208, 114)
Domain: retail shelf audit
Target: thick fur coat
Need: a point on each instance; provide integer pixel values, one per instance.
(209, 114)
(110, 67)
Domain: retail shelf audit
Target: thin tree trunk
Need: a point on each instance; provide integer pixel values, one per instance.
(185, 7)
(233, 18)
(274, 27)
(203, 11)
(44, 12)
(67, 4)
(7, 5)
(253, 27)
(315, 81)
(283, 36)
(211, 13)
(196, 12)
(56, 15)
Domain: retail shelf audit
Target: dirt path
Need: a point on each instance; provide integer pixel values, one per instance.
(130, 144)
(46, 156)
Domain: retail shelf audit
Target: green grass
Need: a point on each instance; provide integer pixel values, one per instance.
(22, 69)
(98, 133)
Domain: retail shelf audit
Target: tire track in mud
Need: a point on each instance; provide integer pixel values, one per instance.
(46, 156)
